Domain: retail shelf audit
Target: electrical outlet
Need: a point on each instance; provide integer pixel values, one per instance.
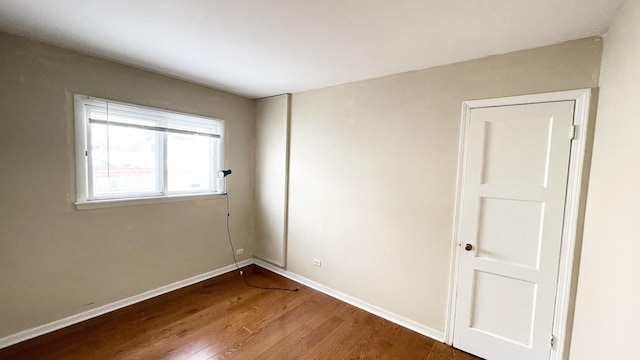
(239, 251)
(317, 262)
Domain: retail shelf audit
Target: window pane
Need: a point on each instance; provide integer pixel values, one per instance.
(190, 162)
(124, 160)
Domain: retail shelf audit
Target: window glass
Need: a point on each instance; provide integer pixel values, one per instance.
(124, 160)
(189, 164)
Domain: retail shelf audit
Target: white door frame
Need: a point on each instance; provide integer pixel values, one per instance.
(582, 100)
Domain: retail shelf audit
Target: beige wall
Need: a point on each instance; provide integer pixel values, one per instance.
(372, 184)
(272, 159)
(56, 261)
(608, 300)
(373, 172)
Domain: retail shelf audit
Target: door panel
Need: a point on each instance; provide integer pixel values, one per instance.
(516, 240)
(518, 308)
(513, 196)
(516, 151)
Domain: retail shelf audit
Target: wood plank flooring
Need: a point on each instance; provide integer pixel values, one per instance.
(223, 318)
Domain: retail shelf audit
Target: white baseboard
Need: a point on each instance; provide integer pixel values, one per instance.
(394, 318)
(74, 319)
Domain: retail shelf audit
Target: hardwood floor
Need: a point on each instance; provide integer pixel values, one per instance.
(222, 318)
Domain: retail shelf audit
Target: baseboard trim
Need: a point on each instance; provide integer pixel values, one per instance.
(387, 315)
(74, 319)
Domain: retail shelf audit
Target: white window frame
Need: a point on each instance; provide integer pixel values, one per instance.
(83, 159)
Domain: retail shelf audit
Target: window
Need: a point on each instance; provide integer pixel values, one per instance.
(126, 152)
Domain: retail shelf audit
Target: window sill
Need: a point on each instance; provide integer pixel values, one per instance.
(97, 204)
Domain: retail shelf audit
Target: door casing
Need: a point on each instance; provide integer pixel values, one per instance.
(575, 184)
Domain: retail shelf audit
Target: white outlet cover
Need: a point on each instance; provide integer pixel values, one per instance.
(239, 251)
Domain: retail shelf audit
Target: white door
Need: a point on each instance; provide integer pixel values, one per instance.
(514, 183)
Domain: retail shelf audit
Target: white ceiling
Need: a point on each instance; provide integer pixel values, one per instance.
(259, 48)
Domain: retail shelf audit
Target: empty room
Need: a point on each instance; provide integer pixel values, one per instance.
(361, 179)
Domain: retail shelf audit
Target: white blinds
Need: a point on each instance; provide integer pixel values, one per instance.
(115, 114)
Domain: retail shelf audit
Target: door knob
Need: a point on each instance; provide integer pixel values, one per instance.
(468, 247)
